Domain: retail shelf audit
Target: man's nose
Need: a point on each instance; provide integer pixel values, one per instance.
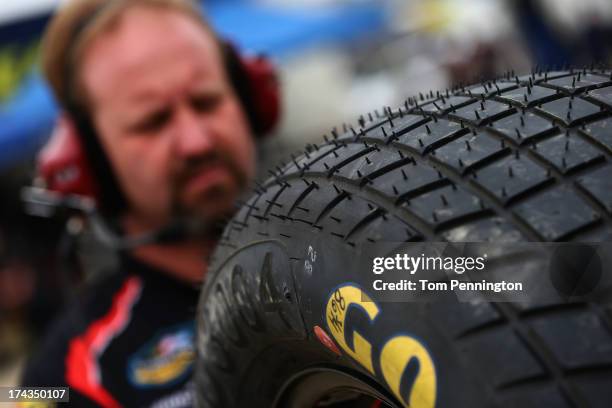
(192, 135)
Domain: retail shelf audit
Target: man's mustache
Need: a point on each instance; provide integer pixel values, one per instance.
(196, 165)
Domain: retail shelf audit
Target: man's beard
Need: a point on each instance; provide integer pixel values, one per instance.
(201, 217)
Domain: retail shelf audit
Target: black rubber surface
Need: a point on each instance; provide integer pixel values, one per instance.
(518, 159)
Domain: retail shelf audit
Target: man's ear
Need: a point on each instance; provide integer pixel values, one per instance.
(63, 164)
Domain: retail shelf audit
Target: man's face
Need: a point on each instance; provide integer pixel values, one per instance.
(167, 117)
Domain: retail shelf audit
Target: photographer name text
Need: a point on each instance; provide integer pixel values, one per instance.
(456, 265)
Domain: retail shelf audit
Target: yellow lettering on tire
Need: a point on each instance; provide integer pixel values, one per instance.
(336, 312)
(399, 352)
(395, 356)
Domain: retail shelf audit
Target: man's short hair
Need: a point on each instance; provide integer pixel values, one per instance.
(76, 26)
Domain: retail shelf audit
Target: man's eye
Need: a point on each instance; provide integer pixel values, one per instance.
(206, 103)
(153, 122)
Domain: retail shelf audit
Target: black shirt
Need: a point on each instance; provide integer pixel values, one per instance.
(127, 342)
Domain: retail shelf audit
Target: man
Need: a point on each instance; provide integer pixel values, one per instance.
(148, 79)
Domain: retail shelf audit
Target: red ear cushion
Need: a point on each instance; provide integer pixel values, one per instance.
(264, 92)
(63, 165)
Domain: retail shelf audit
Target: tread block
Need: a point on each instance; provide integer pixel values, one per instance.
(543, 396)
(386, 229)
(528, 96)
(305, 161)
(601, 132)
(577, 83)
(570, 111)
(408, 180)
(396, 127)
(568, 152)
(444, 105)
(494, 229)
(503, 358)
(556, 213)
(603, 96)
(490, 88)
(523, 128)
(371, 121)
(289, 202)
(344, 155)
(363, 165)
(596, 391)
(510, 177)
(576, 340)
(599, 185)
(247, 209)
(443, 204)
(482, 112)
(313, 205)
(539, 77)
(267, 200)
(372, 165)
(463, 316)
(233, 228)
(345, 217)
(432, 135)
(468, 151)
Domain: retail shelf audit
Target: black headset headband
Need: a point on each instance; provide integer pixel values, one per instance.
(113, 197)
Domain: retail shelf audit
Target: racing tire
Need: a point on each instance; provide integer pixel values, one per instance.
(517, 159)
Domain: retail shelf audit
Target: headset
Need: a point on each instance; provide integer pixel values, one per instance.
(65, 163)
(74, 172)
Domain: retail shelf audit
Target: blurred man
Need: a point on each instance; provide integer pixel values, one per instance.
(146, 82)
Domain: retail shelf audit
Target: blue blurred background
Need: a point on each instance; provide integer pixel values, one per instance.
(338, 59)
